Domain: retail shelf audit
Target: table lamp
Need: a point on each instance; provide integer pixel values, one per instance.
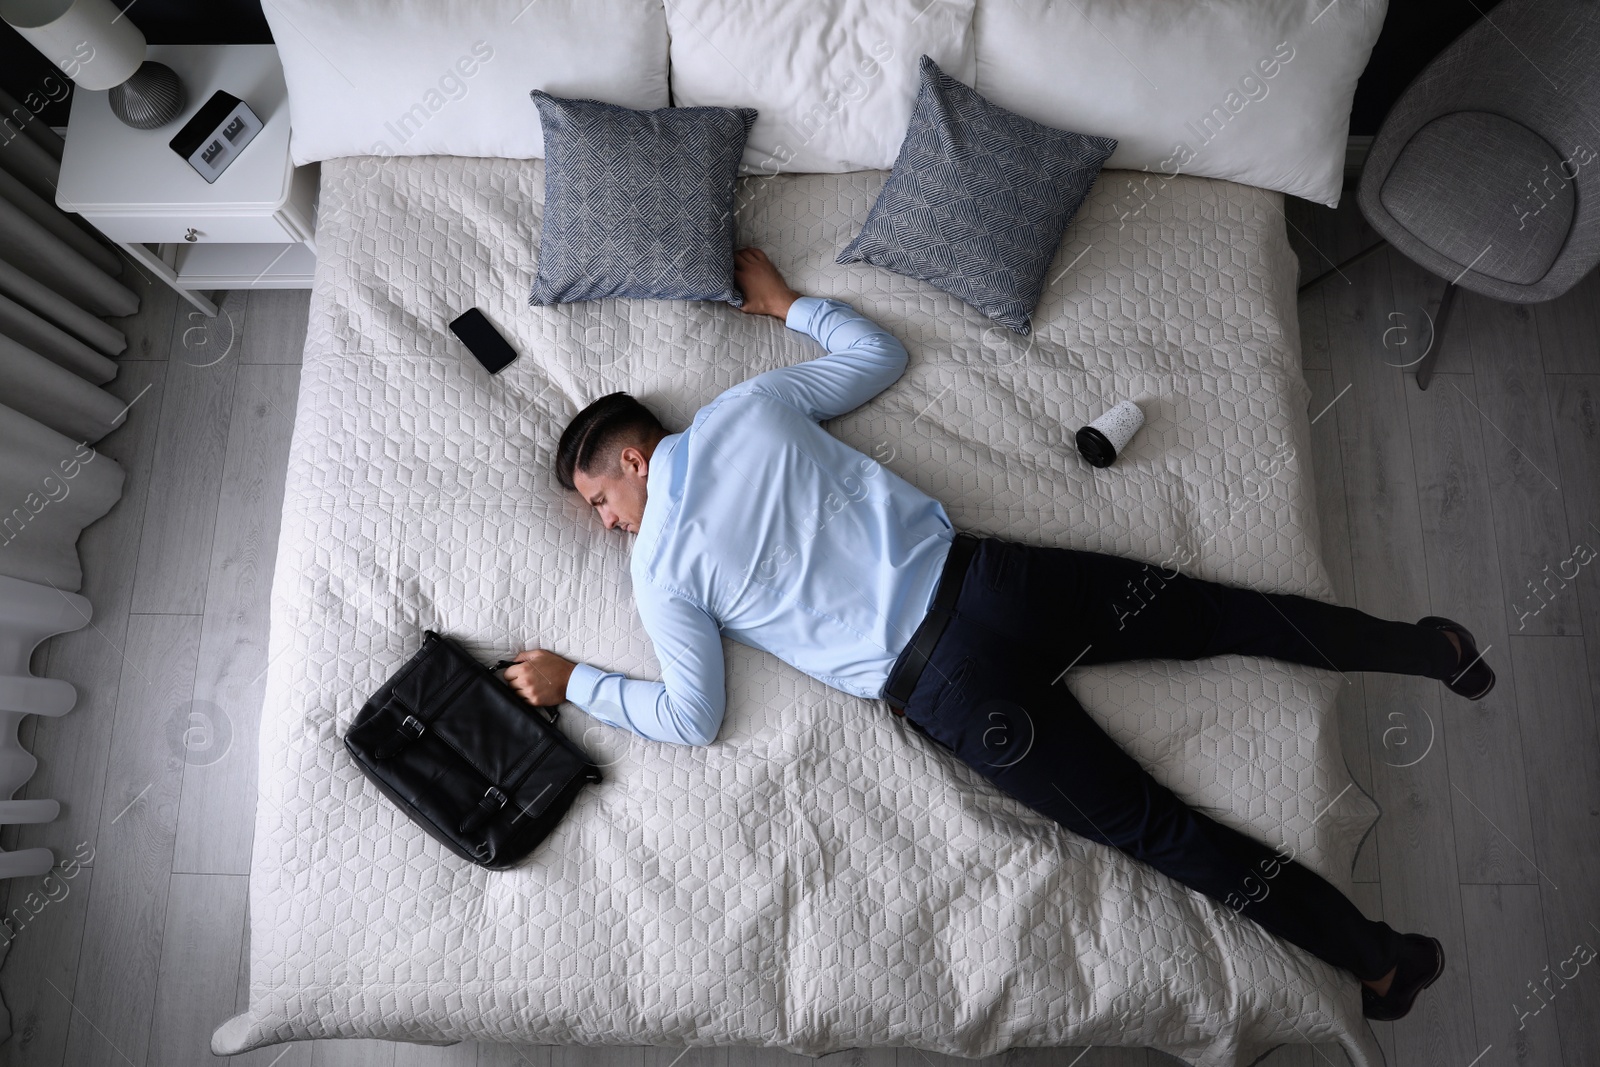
(98, 48)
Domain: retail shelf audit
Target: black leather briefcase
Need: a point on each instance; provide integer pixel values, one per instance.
(468, 759)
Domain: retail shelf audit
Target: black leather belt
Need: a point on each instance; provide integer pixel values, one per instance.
(913, 659)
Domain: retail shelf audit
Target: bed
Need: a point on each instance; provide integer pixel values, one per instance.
(821, 877)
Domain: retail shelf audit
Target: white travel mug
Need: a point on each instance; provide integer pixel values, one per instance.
(1102, 439)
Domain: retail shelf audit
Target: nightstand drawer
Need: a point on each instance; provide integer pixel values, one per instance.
(174, 229)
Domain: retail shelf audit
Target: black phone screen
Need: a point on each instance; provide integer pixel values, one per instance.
(483, 340)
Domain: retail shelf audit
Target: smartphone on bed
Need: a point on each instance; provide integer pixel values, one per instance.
(483, 340)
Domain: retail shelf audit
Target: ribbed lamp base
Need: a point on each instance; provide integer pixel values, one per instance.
(151, 98)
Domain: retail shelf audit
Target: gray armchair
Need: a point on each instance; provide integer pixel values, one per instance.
(1487, 170)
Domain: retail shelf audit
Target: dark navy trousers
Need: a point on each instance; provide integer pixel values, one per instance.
(990, 693)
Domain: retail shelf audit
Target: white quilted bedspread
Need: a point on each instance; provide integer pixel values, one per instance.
(820, 877)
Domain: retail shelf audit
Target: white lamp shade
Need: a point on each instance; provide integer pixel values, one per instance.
(89, 40)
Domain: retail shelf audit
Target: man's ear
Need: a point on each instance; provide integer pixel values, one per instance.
(633, 461)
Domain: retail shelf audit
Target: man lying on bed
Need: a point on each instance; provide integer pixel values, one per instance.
(758, 524)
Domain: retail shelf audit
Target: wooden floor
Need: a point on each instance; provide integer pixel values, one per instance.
(1478, 499)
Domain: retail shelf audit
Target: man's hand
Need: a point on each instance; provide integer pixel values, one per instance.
(540, 677)
(765, 292)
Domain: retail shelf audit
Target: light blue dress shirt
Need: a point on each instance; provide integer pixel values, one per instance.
(761, 525)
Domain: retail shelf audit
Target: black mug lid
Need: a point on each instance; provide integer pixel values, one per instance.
(1095, 447)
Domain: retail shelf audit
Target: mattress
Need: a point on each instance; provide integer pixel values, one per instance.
(821, 877)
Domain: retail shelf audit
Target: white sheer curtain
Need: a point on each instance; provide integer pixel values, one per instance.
(56, 281)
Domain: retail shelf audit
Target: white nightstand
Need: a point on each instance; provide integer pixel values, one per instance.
(251, 229)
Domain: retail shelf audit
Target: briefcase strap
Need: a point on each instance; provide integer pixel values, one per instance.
(409, 730)
(492, 801)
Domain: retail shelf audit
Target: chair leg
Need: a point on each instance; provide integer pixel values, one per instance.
(1338, 268)
(1440, 320)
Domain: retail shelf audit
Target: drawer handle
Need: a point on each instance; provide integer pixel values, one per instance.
(191, 235)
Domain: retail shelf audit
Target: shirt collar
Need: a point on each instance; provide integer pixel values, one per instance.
(658, 487)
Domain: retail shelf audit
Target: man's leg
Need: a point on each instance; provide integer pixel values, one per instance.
(1107, 609)
(995, 707)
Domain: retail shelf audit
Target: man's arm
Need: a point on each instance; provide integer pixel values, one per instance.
(863, 358)
(687, 705)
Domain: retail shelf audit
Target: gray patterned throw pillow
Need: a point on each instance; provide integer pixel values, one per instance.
(978, 199)
(638, 203)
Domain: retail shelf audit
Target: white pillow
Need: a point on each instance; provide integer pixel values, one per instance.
(1254, 91)
(834, 80)
(420, 77)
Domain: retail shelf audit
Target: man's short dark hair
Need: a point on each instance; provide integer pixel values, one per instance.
(603, 428)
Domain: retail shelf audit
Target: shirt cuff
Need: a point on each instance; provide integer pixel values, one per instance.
(581, 684)
(801, 313)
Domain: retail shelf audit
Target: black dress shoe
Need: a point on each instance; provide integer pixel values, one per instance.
(1473, 678)
(1421, 964)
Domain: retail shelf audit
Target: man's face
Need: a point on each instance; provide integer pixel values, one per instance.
(618, 494)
